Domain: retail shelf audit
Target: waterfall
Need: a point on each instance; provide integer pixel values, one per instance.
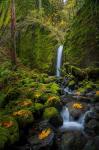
(64, 1)
(69, 125)
(59, 60)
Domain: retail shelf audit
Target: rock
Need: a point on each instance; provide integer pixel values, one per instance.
(96, 98)
(66, 99)
(96, 108)
(76, 113)
(24, 117)
(72, 141)
(43, 124)
(71, 84)
(56, 121)
(38, 110)
(92, 127)
(90, 116)
(50, 112)
(92, 144)
(4, 137)
(89, 146)
(53, 101)
(90, 94)
(45, 143)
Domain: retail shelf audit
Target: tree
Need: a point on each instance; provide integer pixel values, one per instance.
(13, 33)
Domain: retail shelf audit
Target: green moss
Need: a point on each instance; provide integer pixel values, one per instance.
(23, 116)
(4, 137)
(2, 99)
(53, 88)
(49, 79)
(52, 100)
(71, 84)
(38, 106)
(50, 112)
(11, 125)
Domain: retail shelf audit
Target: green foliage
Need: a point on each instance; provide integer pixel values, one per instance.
(50, 112)
(38, 106)
(54, 88)
(52, 100)
(82, 39)
(11, 125)
(4, 135)
(23, 116)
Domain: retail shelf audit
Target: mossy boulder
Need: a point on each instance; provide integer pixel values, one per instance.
(20, 104)
(93, 73)
(80, 74)
(96, 98)
(4, 137)
(71, 84)
(50, 112)
(2, 99)
(38, 110)
(86, 86)
(24, 117)
(49, 79)
(53, 88)
(38, 106)
(53, 101)
(56, 121)
(12, 94)
(10, 124)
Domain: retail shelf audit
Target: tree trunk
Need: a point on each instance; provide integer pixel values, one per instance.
(13, 33)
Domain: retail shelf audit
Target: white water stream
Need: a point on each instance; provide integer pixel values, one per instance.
(69, 125)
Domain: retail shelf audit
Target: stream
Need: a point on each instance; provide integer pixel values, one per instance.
(69, 124)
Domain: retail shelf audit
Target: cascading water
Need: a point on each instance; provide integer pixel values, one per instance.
(59, 60)
(59, 55)
(64, 1)
(69, 125)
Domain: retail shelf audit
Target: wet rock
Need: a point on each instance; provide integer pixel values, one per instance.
(65, 99)
(90, 116)
(90, 94)
(72, 141)
(45, 143)
(43, 124)
(92, 127)
(56, 121)
(96, 108)
(76, 113)
(92, 144)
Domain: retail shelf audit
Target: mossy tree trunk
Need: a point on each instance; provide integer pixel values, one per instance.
(13, 33)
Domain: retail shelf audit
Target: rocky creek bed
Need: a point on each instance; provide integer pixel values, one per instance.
(31, 111)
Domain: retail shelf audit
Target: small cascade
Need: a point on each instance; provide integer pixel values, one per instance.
(59, 60)
(67, 90)
(65, 114)
(69, 125)
(64, 1)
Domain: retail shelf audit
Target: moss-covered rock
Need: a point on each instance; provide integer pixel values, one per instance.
(53, 100)
(50, 112)
(11, 125)
(93, 73)
(49, 79)
(53, 88)
(20, 104)
(96, 98)
(2, 99)
(4, 137)
(38, 110)
(38, 106)
(71, 84)
(23, 116)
